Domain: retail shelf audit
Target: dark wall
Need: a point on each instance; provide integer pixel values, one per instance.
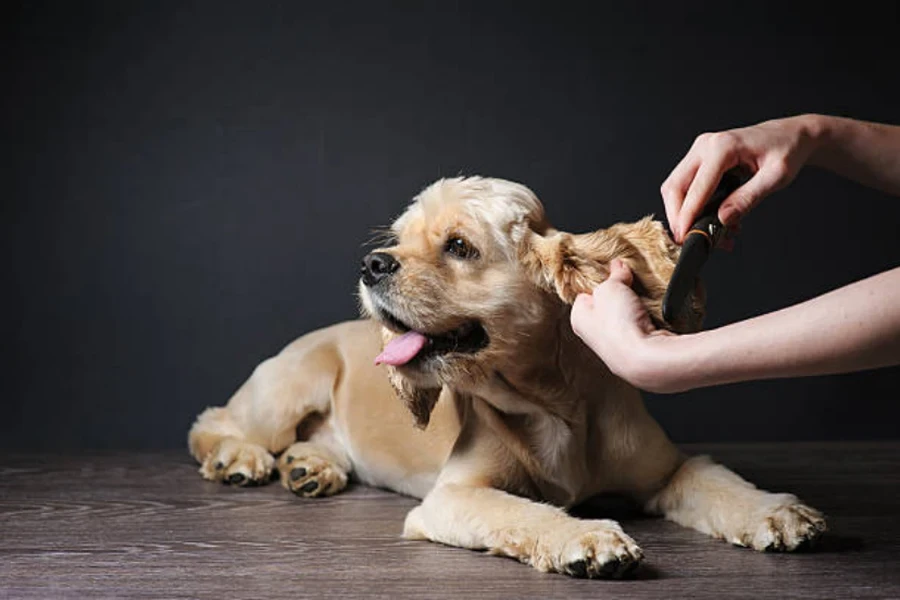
(187, 186)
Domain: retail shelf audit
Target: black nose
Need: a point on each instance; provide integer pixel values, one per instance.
(377, 266)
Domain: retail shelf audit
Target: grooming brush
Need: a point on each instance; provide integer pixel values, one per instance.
(699, 242)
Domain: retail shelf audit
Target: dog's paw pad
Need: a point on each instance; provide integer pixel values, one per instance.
(238, 463)
(309, 476)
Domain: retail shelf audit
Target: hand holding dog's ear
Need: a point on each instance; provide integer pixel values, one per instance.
(572, 264)
(612, 302)
(615, 324)
(619, 271)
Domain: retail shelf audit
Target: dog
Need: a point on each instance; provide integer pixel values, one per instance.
(463, 384)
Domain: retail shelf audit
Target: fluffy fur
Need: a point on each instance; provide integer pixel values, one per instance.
(500, 441)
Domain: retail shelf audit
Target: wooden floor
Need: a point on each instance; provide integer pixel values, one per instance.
(146, 525)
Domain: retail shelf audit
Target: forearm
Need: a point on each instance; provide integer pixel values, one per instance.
(853, 328)
(865, 152)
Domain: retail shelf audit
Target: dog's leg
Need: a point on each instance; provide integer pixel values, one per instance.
(541, 535)
(709, 498)
(235, 443)
(469, 507)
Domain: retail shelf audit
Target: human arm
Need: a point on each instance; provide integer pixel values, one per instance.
(865, 152)
(853, 328)
(775, 151)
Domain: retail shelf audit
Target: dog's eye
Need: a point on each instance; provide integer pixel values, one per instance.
(460, 248)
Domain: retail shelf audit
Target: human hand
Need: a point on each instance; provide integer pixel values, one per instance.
(614, 323)
(774, 151)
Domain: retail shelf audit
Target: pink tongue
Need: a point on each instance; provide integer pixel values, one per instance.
(402, 349)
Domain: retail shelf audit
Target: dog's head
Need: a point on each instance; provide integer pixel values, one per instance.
(476, 280)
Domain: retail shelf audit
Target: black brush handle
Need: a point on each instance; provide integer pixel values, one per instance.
(708, 224)
(699, 242)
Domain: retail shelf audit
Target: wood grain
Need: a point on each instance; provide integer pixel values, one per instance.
(128, 525)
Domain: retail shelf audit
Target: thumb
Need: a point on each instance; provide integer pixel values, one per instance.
(742, 200)
(619, 271)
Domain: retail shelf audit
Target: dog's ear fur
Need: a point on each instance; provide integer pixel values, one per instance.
(569, 264)
(420, 401)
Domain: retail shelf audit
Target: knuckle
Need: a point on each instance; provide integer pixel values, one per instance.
(576, 308)
(780, 168)
(581, 304)
(724, 141)
(740, 203)
(703, 138)
(665, 188)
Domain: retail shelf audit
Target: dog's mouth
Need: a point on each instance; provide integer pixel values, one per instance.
(411, 346)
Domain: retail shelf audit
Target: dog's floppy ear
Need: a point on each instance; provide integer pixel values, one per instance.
(420, 401)
(569, 264)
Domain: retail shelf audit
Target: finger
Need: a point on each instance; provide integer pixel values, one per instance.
(583, 302)
(676, 186)
(708, 176)
(619, 271)
(742, 200)
(581, 307)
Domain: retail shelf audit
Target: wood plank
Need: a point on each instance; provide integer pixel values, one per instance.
(144, 525)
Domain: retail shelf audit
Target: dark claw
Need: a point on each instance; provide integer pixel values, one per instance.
(309, 486)
(577, 568)
(289, 459)
(298, 473)
(609, 569)
(236, 478)
(219, 466)
(629, 568)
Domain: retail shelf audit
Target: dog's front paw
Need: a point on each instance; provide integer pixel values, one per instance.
(237, 462)
(593, 549)
(309, 473)
(784, 527)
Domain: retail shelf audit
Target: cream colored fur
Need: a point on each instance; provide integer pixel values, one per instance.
(500, 442)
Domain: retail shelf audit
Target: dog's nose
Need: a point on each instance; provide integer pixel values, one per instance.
(376, 266)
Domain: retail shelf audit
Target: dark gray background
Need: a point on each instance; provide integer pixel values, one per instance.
(188, 186)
